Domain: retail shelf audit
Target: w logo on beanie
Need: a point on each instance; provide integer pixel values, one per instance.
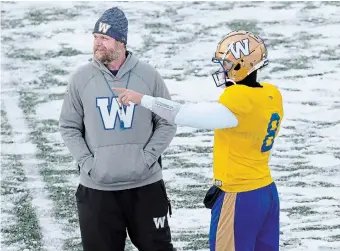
(103, 27)
(113, 23)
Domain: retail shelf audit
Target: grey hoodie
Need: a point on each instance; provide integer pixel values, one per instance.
(114, 149)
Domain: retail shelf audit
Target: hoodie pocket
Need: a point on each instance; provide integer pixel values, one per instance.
(119, 164)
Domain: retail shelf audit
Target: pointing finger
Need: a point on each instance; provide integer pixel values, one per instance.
(119, 89)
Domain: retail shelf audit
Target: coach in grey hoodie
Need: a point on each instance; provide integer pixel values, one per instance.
(117, 147)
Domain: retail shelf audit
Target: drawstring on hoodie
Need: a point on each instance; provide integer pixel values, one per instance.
(121, 120)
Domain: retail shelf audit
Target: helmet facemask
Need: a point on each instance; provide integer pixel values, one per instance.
(221, 76)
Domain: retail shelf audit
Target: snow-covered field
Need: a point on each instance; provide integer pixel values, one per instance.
(43, 42)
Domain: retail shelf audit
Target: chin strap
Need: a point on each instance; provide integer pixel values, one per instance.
(230, 80)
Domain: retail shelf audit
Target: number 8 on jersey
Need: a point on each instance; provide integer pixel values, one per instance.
(273, 125)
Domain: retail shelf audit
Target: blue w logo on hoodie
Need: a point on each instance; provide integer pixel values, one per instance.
(109, 112)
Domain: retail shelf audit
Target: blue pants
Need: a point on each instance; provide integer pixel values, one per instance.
(246, 221)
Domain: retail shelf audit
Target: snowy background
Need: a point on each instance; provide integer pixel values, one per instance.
(43, 42)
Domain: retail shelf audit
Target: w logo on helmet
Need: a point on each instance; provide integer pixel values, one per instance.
(103, 27)
(238, 47)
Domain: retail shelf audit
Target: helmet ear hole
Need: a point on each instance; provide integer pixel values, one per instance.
(237, 67)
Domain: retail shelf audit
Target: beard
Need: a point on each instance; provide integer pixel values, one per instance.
(106, 56)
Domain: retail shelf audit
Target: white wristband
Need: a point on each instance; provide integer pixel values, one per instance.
(147, 101)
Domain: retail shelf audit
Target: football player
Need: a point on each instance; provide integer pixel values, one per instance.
(246, 120)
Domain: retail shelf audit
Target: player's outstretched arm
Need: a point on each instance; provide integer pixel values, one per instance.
(200, 115)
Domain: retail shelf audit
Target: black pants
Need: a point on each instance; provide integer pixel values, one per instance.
(106, 216)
